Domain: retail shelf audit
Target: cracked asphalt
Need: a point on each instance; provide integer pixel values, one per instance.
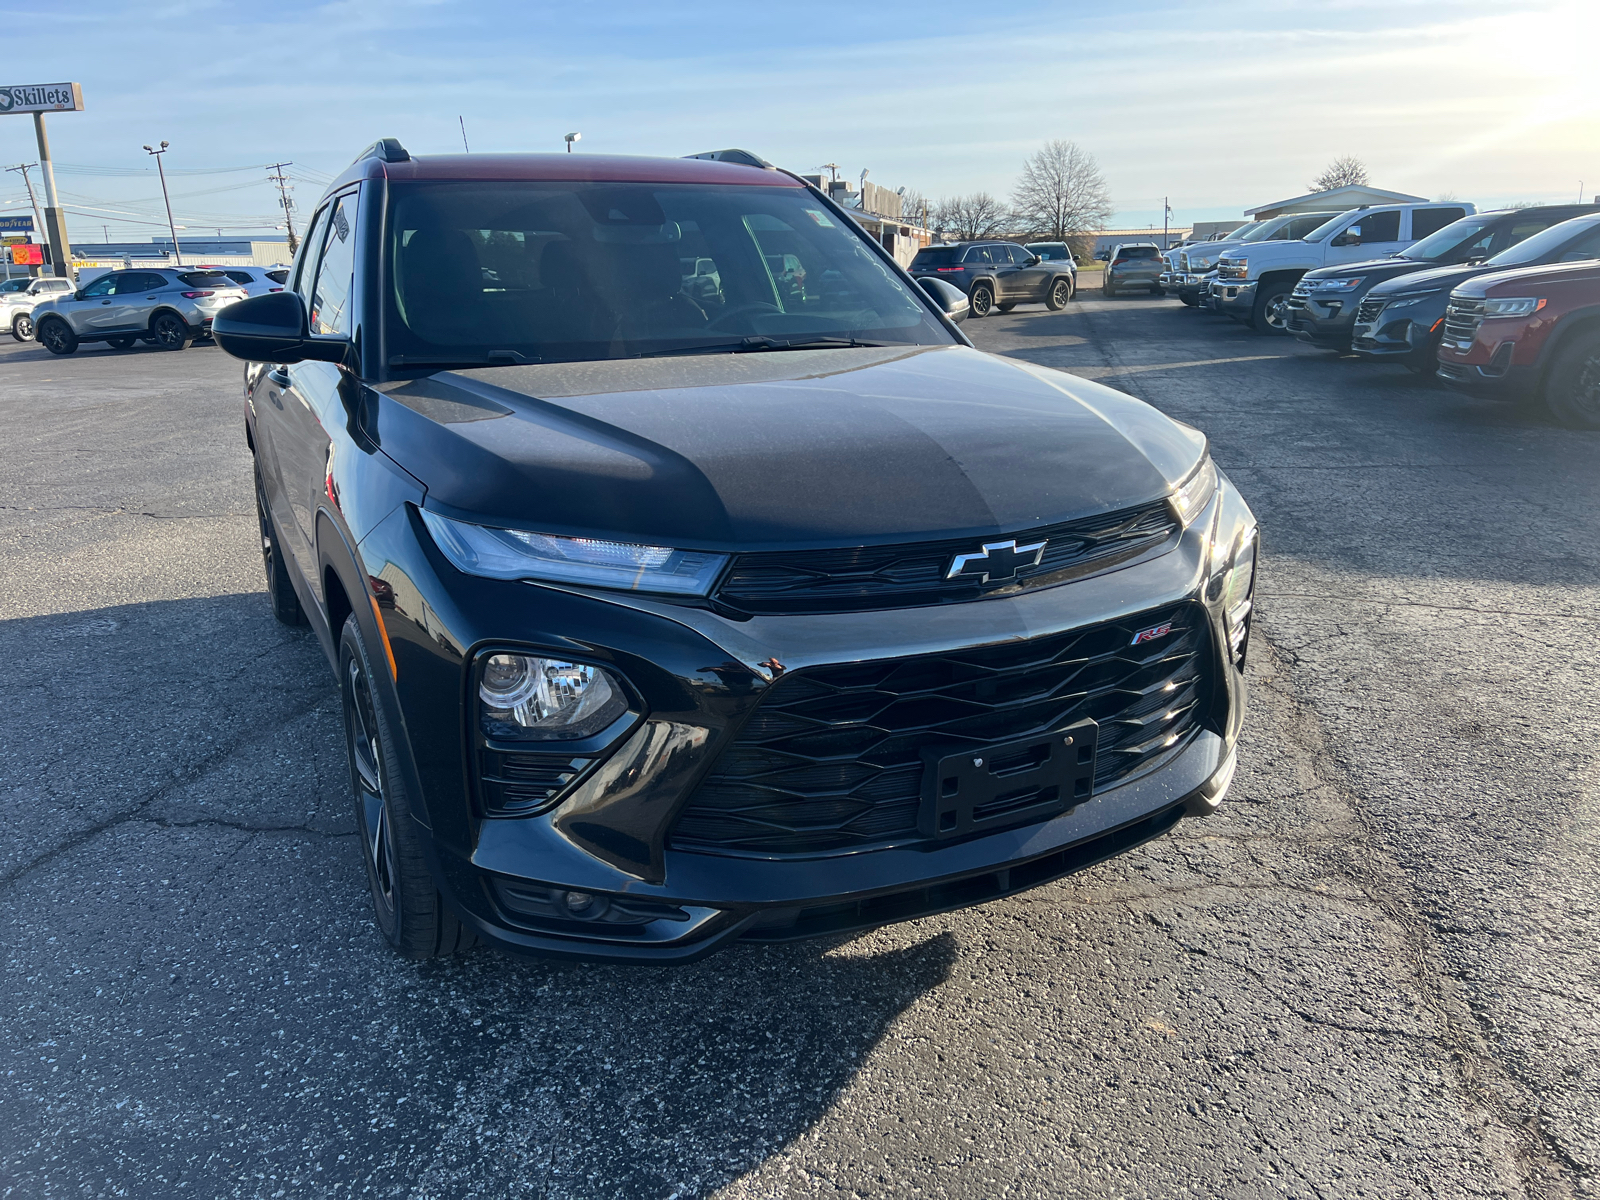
(1371, 974)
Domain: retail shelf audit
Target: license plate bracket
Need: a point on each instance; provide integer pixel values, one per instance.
(1007, 783)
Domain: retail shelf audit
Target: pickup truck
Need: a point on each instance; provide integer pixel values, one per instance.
(16, 308)
(1254, 281)
(1195, 264)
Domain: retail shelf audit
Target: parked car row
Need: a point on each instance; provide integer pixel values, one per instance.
(1505, 303)
(161, 306)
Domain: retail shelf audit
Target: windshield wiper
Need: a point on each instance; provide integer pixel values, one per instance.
(759, 342)
(494, 358)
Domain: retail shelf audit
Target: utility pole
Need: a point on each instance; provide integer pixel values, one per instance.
(23, 169)
(1166, 216)
(464, 145)
(177, 253)
(282, 181)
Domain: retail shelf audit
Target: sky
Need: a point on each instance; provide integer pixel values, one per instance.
(1215, 106)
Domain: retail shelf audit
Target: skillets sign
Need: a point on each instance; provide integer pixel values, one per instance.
(40, 97)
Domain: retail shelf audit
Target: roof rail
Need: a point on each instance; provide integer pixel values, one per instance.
(735, 156)
(386, 150)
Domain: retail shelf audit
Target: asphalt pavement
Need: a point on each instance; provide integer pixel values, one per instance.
(1372, 973)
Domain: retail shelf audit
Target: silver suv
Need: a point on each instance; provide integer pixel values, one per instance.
(16, 307)
(165, 307)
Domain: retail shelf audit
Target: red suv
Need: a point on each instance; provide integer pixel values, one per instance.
(1531, 335)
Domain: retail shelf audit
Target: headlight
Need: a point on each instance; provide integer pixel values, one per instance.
(1408, 299)
(1338, 285)
(1238, 591)
(517, 554)
(546, 699)
(1192, 495)
(1512, 306)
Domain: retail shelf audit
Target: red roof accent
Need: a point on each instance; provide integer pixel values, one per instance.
(585, 168)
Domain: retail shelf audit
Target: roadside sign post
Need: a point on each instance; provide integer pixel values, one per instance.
(38, 99)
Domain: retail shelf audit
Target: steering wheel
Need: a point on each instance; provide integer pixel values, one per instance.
(755, 306)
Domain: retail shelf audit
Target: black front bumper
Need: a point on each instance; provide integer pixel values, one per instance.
(1324, 323)
(700, 677)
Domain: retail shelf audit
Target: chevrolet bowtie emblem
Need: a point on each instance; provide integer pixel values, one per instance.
(995, 562)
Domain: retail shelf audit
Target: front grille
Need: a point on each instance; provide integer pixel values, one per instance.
(1461, 319)
(1302, 291)
(907, 576)
(832, 757)
(1368, 310)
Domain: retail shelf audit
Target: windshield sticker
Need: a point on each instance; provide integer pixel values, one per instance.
(820, 217)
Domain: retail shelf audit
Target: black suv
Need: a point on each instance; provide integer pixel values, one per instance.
(1324, 306)
(664, 617)
(997, 274)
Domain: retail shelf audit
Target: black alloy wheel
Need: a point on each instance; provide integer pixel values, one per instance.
(1572, 388)
(410, 912)
(57, 337)
(1272, 309)
(280, 589)
(121, 343)
(981, 299)
(22, 327)
(171, 332)
(1060, 292)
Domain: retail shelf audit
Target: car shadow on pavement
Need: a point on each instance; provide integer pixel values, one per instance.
(188, 925)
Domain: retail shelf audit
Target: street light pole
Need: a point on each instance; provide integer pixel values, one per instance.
(572, 137)
(176, 252)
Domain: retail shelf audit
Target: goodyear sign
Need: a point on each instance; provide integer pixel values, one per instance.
(16, 224)
(40, 97)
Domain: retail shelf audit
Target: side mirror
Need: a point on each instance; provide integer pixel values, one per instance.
(77, 293)
(1034, 260)
(952, 301)
(272, 328)
(1350, 237)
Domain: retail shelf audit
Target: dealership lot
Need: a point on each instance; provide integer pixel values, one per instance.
(1372, 973)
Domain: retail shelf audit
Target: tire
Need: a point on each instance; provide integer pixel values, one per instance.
(1157, 290)
(280, 590)
(1269, 313)
(1106, 287)
(22, 327)
(981, 298)
(408, 908)
(1007, 306)
(1189, 300)
(1572, 385)
(169, 331)
(121, 343)
(57, 337)
(1060, 292)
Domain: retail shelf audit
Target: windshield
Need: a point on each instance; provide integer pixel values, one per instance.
(1244, 232)
(1449, 240)
(542, 271)
(1544, 243)
(1327, 228)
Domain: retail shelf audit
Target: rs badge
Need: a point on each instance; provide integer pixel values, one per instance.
(1151, 634)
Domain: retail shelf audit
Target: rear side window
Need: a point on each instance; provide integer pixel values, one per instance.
(240, 276)
(278, 276)
(330, 303)
(204, 279)
(935, 256)
(1430, 220)
(980, 255)
(1380, 227)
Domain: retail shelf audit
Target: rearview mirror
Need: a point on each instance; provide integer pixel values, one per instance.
(952, 301)
(272, 328)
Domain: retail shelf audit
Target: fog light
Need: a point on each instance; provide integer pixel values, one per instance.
(526, 697)
(585, 905)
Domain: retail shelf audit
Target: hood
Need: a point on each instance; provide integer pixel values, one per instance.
(791, 449)
(1570, 275)
(1374, 270)
(1431, 279)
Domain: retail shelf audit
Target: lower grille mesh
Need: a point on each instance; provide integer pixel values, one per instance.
(832, 758)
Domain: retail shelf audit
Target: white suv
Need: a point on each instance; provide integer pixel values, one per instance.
(1254, 281)
(16, 308)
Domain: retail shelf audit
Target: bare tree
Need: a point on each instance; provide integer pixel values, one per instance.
(967, 218)
(1343, 171)
(1061, 192)
(915, 207)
